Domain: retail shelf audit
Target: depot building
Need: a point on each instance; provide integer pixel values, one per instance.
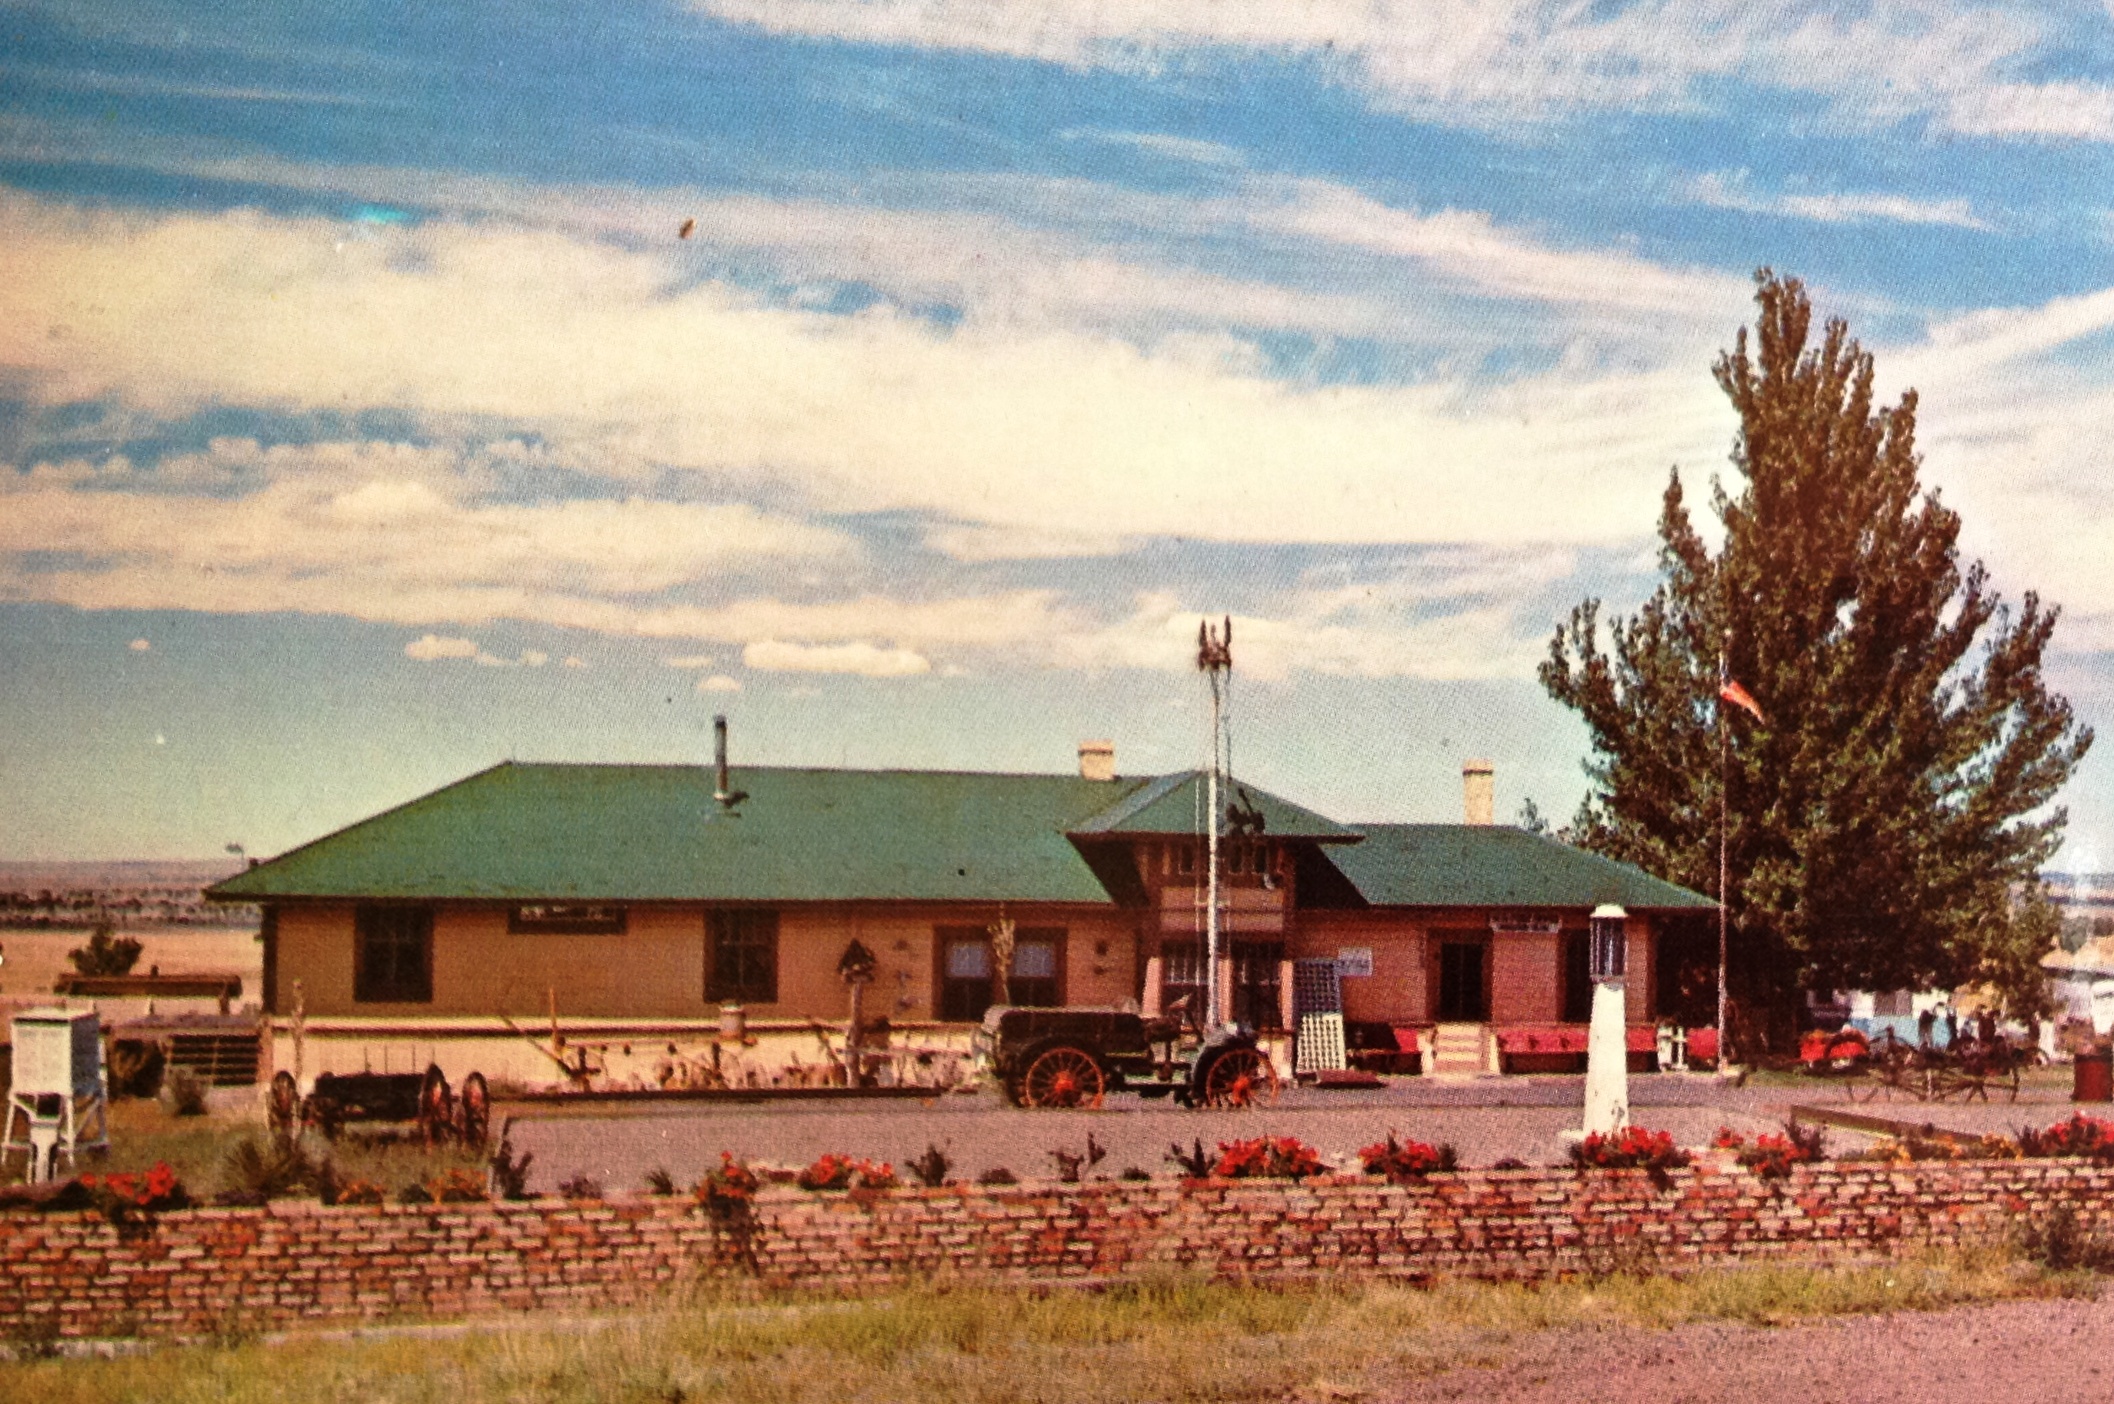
(530, 911)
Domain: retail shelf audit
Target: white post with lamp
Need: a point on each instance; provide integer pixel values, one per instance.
(1607, 1087)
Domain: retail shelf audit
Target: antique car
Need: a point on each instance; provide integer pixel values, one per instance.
(1076, 1057)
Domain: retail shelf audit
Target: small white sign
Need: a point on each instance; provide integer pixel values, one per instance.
(1354, 960)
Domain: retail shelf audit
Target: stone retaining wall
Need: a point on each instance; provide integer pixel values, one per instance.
(206, 1270)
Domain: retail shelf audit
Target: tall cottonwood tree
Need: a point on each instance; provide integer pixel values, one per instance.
(1892, 807)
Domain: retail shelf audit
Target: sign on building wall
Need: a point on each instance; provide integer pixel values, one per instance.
(1354, 960)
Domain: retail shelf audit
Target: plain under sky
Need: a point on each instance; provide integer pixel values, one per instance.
(365, 419)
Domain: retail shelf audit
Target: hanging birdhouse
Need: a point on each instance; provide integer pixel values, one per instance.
(856, 965)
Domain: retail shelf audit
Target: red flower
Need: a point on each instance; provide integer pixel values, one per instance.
(731, 1185)
(1405, 1160)
(1267, 1157)
(1633, 1147)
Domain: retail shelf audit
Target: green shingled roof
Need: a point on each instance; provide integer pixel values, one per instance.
(1174, 804)
(645, 833)
(1482, 865)
(655, 833)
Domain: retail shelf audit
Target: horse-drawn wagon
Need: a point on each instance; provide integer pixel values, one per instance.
(424, 1099)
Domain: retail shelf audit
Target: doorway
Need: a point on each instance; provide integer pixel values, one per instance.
(1464, 994)
(1256, 984)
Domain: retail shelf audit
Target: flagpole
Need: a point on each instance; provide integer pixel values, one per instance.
(1724, 848)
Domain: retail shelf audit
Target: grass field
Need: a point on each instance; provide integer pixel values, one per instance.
(1160, 1340)
(196, 1147)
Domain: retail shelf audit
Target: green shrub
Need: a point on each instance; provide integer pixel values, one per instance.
(255, 1173)
(183, 1092)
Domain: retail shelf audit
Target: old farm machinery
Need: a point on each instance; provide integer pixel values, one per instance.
(424, 1100)
(1076, 1057)
(1887, 1067)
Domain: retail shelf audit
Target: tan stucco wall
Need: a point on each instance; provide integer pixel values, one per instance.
(656, 969)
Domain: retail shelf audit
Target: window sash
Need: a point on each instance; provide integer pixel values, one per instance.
(1182, 973)
(744, 957)
(965, 970)
(393, 955)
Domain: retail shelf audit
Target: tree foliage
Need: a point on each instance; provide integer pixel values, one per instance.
(1889, 817)
(106, 953)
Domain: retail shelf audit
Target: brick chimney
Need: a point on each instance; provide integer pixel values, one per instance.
(1097, 760)
(1478, 792)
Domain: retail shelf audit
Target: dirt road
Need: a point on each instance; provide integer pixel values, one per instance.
(2051, 1352)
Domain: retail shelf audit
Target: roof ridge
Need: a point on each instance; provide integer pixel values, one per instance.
(1151, 792)
(738, 766)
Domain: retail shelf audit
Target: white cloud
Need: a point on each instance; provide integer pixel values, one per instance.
(2038, 110)
(1025, 441)
(1383, 629)
(1730, 191)
(572, 662)
(373, 530)
(691, 660)
(1507, 61)
(984, 424)
(1176, 148)
(139, 646)
(718, 682)
(1470, 246)
(862, 658)
(432, 646)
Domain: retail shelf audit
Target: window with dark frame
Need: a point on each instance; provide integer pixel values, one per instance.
(965, 978)
(392, 955)
(1035, 979)
(1182, 973)
(966, 968)
(744, 957)
(564, 919)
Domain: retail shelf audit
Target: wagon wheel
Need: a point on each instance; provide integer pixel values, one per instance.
(1063, 1077)
(473, 1110)
(436, 1106)
(282, 1106)
(1866, 1084)
(1240, 1077)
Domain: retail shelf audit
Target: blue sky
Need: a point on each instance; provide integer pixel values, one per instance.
(364, 420)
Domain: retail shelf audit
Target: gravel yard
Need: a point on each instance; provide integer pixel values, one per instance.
(1485, 1120)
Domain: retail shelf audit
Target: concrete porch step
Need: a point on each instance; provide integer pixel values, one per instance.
(1457, 1049)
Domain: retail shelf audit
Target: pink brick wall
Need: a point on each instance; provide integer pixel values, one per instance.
(200, 1270)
